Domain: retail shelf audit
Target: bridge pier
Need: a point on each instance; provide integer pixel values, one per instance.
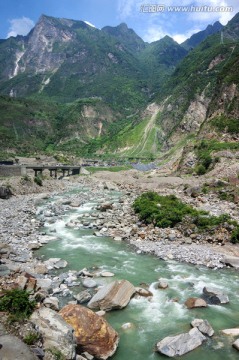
(37, 171)
(53, 171)
(66, 169)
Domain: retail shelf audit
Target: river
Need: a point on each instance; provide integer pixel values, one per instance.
(152, 318)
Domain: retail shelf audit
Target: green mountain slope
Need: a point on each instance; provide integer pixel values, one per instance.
(28, 126)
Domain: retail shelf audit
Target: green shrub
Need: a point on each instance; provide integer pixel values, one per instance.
(163, 211)
(235, 235)
(38, 180)
(206, 161)
(200, 170)
(17, 303)
(167, 211)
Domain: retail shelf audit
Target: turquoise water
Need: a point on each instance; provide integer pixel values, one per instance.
(155, 318)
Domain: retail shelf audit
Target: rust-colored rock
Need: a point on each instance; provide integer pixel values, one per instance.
(195, 303)
(93, 334)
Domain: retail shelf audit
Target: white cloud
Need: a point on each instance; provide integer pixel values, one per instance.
(154, 33)
(20, 26)
(130, 8)
(182, 37)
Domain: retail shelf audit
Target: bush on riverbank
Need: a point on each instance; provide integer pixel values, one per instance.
(167, 211)
(17, 303)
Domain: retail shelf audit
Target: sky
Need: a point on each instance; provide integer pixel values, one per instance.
(151, 20)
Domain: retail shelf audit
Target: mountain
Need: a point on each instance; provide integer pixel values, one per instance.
(197, 38)
(160, 59)
(201, 97)
(66, 60)
(126, 37)
(68, 86)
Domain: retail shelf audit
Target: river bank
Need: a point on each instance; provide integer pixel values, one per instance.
(20, 234)
(22, 219)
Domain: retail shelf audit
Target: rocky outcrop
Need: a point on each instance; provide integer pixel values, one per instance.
(215, 296)
(93, 333)
(192, 303)
(55, 331)
(115, 295)
(180, 344)
(203, 326)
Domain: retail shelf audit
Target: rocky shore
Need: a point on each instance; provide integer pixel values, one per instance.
(21, 221)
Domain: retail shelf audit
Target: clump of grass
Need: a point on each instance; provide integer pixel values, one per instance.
(31, 338)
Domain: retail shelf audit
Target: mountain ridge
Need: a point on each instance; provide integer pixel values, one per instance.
(91, 72)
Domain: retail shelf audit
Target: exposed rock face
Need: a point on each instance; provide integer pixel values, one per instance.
(195, 303)
(55, 331)
(203, 326)
(180, 344)
(115, 295)
(93, 333)
(215, 296)
(13, 348)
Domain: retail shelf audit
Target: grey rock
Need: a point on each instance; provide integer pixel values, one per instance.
(89, 283)
(4, 270)
(162, 284)
(231, 261)
(55, 331)
(203, 326)
(115, 295)
(83, 297)
(180, 344)
(45, 284)
(19, 351)
(215, 296)
(236, 344)
(52, 302)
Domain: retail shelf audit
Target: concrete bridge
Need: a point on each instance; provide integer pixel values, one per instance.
(65, 169)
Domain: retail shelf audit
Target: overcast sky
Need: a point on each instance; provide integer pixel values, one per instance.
(176, 18)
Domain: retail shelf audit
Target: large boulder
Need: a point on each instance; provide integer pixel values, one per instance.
(93, 333)
(203, 326)
(55, 331)
(115, 295)
(192, 303)
(13, 348)
(215, 296)
(180, 344)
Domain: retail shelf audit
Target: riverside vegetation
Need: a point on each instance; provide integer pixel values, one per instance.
(167, 211)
